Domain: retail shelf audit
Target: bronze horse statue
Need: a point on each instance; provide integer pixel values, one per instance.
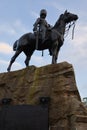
(55, 39)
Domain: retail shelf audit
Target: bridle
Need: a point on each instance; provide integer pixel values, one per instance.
(68, 28)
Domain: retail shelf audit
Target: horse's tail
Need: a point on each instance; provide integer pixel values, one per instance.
(15, 45)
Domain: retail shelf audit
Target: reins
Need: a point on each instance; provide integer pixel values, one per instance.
(68, 28)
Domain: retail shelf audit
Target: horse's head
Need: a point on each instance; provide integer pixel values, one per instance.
(69, 17)
(64, 19)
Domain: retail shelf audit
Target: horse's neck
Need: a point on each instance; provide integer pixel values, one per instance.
(60, 27)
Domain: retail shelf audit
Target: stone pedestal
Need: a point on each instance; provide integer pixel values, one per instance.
(66, 111)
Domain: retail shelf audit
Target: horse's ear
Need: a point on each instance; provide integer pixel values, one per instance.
(65, 12)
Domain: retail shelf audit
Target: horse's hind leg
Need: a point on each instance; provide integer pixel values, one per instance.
(13, 59)
(27, 60)
(28, 57)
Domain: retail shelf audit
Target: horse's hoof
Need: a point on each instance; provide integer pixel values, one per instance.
(8, 69)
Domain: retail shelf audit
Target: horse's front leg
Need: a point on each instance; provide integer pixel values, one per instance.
(57, 53)
(54, 59)
(13, 59)
(54, 53)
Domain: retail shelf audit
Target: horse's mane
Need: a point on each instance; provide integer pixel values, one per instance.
(58, 21)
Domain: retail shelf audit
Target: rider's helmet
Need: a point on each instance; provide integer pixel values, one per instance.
(43, 13)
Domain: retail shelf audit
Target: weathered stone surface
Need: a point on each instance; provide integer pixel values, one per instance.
(55, 81)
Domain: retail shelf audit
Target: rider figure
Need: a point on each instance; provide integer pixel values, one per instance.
(42, 23)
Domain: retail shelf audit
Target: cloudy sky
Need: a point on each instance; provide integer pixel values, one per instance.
(17, 17)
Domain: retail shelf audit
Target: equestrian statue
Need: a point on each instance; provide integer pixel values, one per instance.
(44, 37)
